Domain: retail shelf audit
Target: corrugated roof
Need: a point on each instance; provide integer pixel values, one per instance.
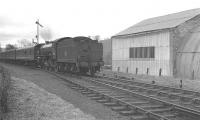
(161, 22)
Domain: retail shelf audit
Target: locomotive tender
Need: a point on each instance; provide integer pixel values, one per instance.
(78, 54)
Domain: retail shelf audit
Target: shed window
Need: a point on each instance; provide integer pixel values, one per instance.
(135, 53)
(138, 52)
(131, 53)
(152, 52)
(145, 52)
(142, 52)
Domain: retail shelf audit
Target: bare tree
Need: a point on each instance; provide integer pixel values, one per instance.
(10, 47)
(24, 43)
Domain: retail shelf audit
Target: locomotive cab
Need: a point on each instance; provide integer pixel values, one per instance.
(90, 55)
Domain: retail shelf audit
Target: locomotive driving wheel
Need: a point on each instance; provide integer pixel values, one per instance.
(83, 70)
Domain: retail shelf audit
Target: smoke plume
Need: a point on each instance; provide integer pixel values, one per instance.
(46, 34)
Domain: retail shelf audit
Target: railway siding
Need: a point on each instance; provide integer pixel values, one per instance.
(188, 84)
(186, 98)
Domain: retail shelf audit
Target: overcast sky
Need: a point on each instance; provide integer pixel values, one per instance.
(80, 17)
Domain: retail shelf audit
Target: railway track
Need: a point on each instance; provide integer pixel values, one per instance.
(183, 97)
(136, 105)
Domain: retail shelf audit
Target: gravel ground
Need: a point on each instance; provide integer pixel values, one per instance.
(56, 86)
(163, 80)
(27, 101)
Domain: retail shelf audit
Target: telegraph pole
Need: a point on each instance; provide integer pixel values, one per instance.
(38, 33)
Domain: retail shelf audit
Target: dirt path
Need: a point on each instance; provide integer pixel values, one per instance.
(58, 87)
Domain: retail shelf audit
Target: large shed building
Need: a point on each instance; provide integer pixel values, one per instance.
(162, 46)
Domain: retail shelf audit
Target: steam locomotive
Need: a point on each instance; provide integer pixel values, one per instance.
(78, 54)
